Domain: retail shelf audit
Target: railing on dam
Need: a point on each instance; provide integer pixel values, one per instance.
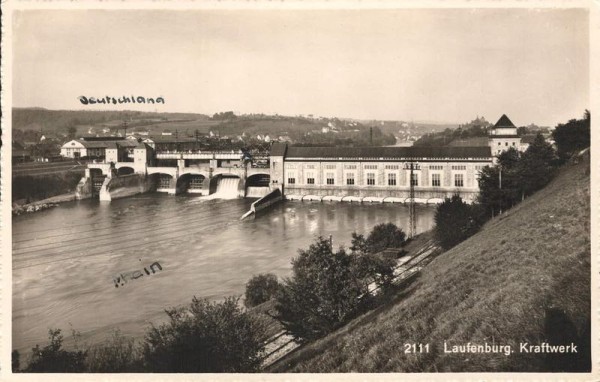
(200, 155)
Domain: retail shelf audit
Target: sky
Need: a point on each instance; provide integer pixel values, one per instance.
(397, 64)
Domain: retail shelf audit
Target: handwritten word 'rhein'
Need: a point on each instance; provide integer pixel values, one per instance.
(108, 100)
(123, 278)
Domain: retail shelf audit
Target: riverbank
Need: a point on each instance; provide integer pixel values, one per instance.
(524, 278)
(40, 205)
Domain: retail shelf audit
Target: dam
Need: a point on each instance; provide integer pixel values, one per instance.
(426, 175)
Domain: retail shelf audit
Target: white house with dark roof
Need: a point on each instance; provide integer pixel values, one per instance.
(504, 136)
(98, 147)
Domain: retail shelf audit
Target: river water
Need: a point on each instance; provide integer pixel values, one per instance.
(66, 259)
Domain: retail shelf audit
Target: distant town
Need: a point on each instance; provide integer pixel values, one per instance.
(39, 134)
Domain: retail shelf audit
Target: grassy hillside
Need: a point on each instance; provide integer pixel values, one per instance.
(524, 278)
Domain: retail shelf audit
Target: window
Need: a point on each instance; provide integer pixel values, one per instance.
(505, 143)
(462, 167)
(291, 178)
(391, 179)
(310, 178)
(350, 166)
(499, 143)
(436, 167)
(458, 180)
(350, 179)
(392, 167)
(370, 167)
(309, 166)
(370, 179)
(330, 166)
(330, 178)
(513, 143)
(436, 180)
(414, 179)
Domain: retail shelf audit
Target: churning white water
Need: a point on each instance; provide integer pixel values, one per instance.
(227, 188)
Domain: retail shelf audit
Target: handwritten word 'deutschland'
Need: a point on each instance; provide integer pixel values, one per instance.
(124, 278)
(108, 100)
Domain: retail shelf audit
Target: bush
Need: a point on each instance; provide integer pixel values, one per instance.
(54, 359)
(372, 262)
(206, 338)
(260, 288)
(385, 235)
(323, 293)
(455, 221)
(117, 355)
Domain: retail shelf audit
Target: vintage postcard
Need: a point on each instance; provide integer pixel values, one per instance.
(323, 190)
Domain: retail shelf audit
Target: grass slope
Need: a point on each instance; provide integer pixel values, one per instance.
(500, 286)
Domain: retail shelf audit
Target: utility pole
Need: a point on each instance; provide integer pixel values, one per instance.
(411, 206)
(500, 185)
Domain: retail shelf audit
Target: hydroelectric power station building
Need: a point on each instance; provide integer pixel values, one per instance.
(354, 174)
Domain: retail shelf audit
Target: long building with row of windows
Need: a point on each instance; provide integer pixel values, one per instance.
(378, 172)
(386, 173)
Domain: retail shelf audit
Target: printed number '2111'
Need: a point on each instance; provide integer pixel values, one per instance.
(416, 348)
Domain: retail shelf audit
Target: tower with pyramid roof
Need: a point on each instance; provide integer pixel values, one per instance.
(504, 136)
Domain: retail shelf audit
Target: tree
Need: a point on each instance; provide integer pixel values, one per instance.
(52, 358)
(323, 293)
(372, 262)
(572, 136)
(261, 288)
(455, 221)
(499, 186)
(71, 132)
(385, 235)
(535, 169)
(206, 337)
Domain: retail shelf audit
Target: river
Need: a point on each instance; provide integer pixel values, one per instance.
(66, 259)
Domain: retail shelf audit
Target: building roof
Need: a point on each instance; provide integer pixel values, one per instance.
(505, 122)
(95, 144)
(470, 142)
(388, 152)
(142, 145)
(278, 149)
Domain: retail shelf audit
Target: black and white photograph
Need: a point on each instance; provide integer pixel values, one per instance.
(287, 188)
